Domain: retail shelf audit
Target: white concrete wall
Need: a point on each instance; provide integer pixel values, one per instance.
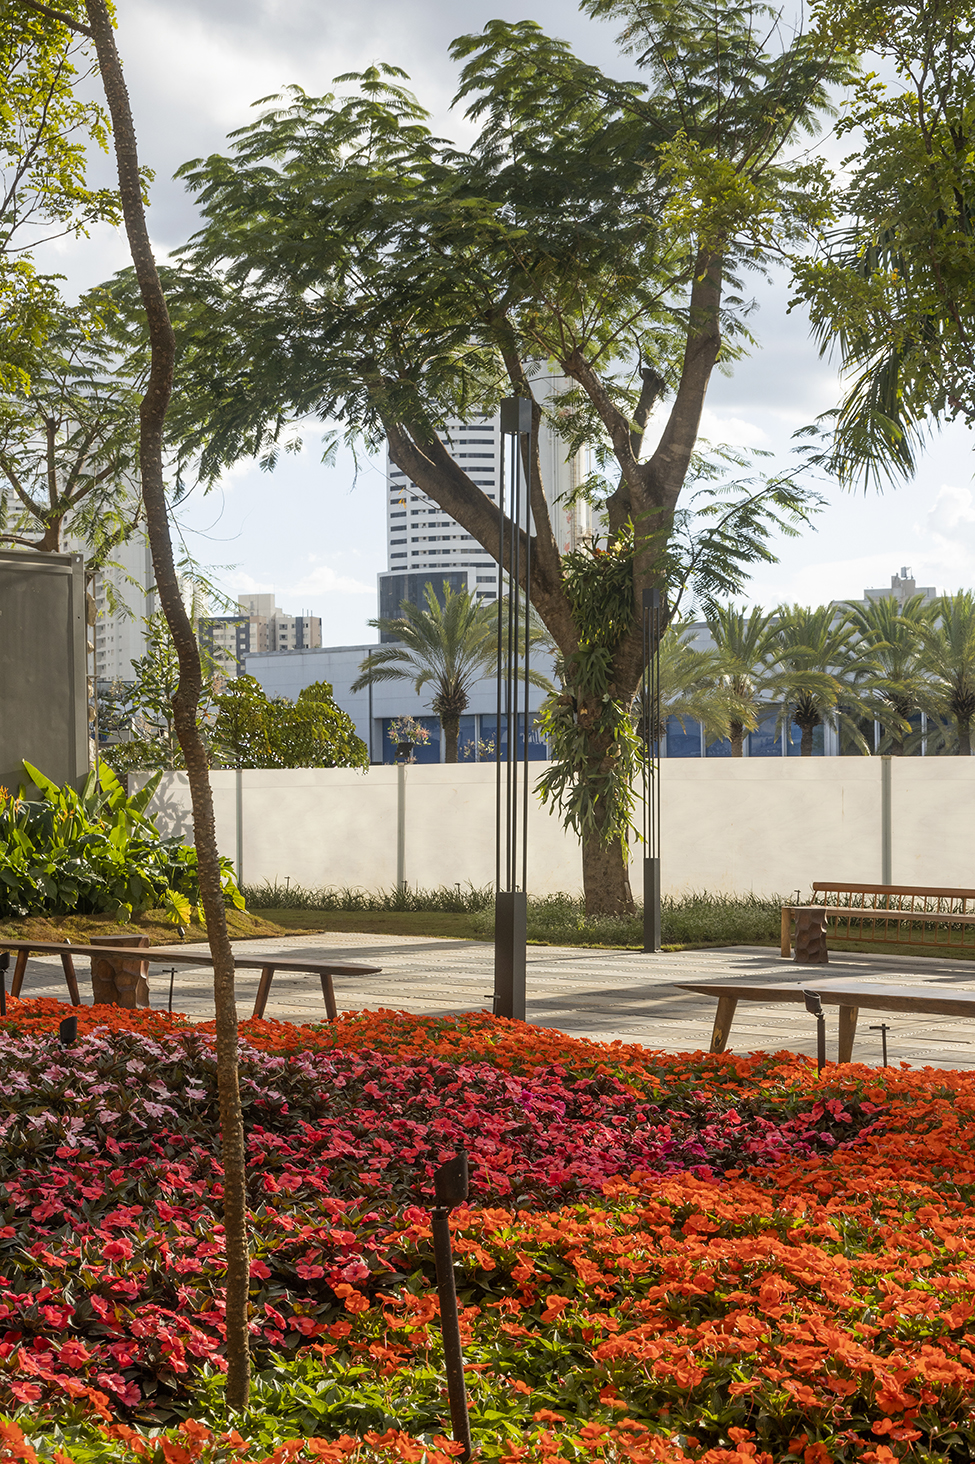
(756, 824)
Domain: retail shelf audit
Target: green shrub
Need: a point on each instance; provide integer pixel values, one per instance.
(695, 919)
(448, 898)
(94, 852)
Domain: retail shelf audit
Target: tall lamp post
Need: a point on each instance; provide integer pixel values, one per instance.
(652, 731)
(511, 814)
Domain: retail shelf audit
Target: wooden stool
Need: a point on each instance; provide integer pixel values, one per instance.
(811, 936)
(116, 981)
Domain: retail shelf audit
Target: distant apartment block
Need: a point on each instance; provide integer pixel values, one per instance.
(260, 627)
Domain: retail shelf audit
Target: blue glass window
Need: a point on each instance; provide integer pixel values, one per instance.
(683, 741)
(766, 740)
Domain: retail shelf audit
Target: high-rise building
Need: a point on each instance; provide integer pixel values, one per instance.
(260, 626)
(124, 595)
(426, 546)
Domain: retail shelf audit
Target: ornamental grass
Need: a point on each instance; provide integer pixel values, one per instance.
(665, 1257)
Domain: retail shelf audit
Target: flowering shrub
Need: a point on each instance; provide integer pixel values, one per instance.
(673, 1258)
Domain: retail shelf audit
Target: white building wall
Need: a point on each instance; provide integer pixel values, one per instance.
(764, 826)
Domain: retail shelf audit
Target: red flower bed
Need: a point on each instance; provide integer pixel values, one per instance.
(666, 1257)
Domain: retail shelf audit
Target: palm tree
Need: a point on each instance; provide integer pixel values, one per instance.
(453, 645)
(819, 677)
(743, 645)
(691, 686)
(948, 649)
(891, 635)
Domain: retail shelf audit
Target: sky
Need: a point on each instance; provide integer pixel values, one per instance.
(315, 535)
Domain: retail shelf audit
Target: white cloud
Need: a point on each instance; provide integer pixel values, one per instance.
(324, 580)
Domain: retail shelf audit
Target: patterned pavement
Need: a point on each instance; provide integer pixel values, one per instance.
(605, 995)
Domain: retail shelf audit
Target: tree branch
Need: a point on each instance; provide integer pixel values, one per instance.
(69, 21)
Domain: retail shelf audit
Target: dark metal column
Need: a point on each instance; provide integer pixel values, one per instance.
(651, 735)
(511, 902)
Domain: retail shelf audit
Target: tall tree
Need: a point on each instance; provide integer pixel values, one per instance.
(892, 637)
(155, 401)
(450, 645)
(253, 730)
(895, 295)
(819, 677)
(948, 641)
(355, 267)
(47, 126)
(744, 644)
(69, 442)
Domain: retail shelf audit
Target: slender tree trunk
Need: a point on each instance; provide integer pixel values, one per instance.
(806, 743)
(606, 878)
(964, 737)
(737, 732)
(186, 699)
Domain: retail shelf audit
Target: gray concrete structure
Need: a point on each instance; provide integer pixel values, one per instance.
(43, 666)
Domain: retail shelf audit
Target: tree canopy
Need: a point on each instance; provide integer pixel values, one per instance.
(895, 294)
(355, 268)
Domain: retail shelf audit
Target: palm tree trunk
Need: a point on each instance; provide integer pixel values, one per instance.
(737, 733)
(186, 700)
(605, 878)
(806, 743)
(451, 736)
(964, 737)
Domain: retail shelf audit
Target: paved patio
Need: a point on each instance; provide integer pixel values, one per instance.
(605, 995)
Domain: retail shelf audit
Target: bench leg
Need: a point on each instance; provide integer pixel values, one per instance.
(786, 942)
(71, 979)
(848, 1029)
(328, 992)
(19, 969)
(723, 1019)
(263, 990)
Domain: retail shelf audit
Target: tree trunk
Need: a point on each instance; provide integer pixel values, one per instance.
(806, 743)
(737, 734)
(964, 738)
(451, 735)
(606, 878)
(185, 701)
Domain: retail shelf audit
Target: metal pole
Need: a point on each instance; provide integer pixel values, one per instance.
(4, 963)
(528, 613)
(240, 826)
(886, 845)
(400, 826)
(814, 1006)
(651, 770)
(510, 901)
(451, 1184)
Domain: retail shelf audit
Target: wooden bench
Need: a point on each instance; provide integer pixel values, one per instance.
(918, 914)
(849, 995)
(267, 964)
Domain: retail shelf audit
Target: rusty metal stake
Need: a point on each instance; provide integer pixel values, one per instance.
(450, 1182)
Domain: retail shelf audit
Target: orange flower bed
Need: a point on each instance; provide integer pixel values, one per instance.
(816, 1307)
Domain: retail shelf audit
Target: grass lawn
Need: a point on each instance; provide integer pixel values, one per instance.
(665, 1259)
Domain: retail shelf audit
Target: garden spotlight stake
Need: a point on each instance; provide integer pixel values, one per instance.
(815, 1007)
(4, 963)
(883, 1029)
(450, 1182)
(172, 979)
(68, 1032)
